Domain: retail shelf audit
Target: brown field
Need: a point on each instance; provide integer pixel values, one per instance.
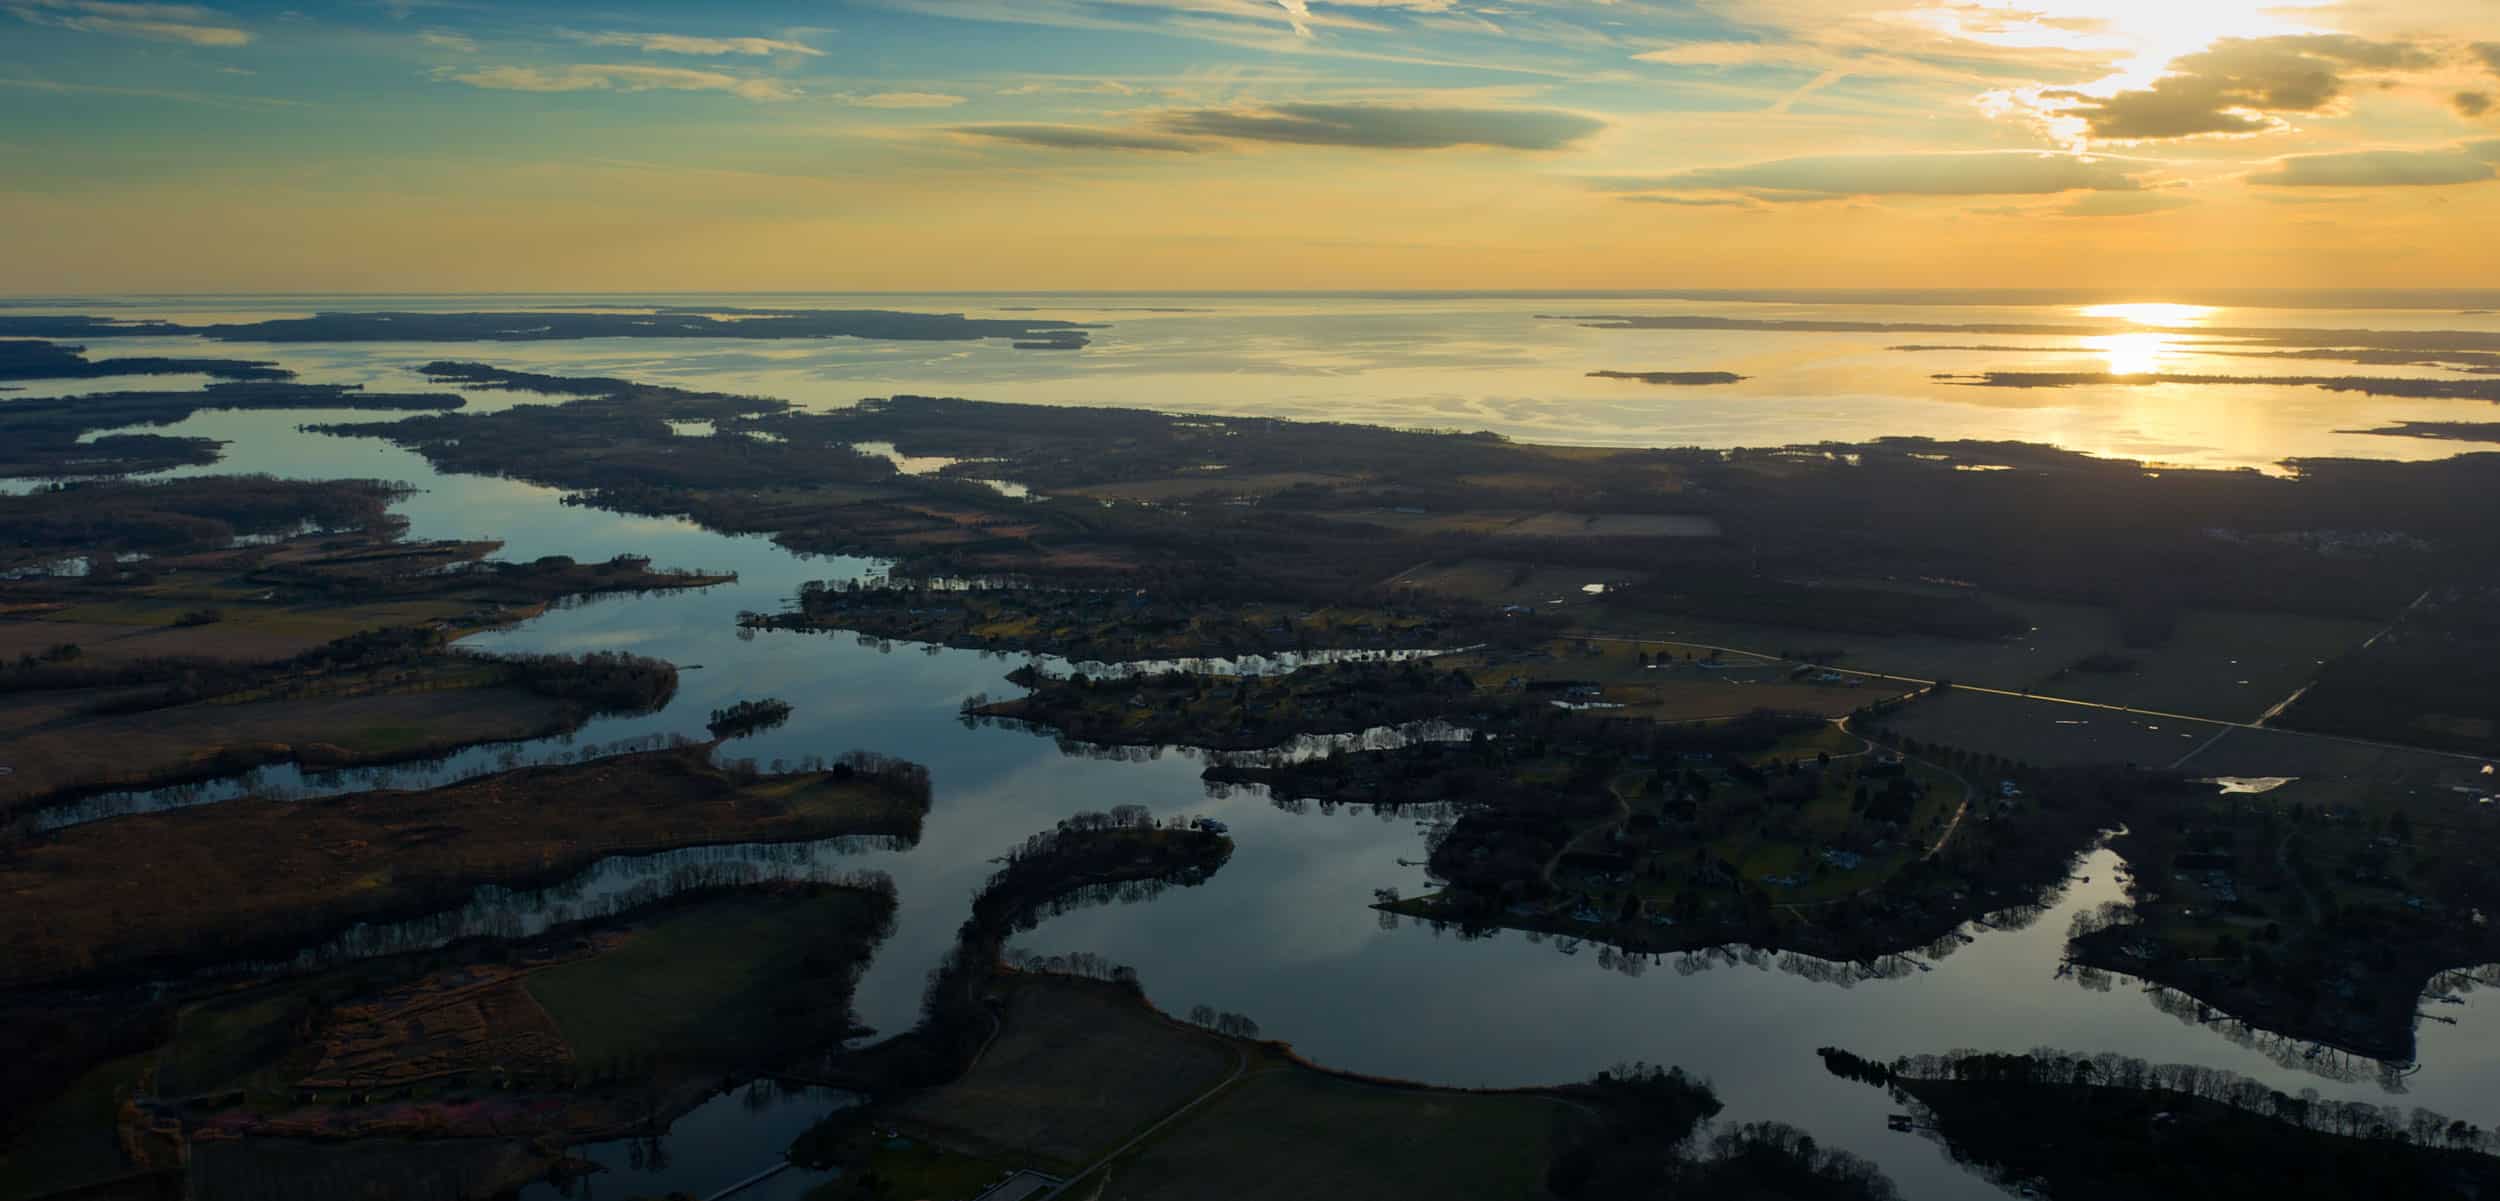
(1080, 1067)
(1286, 1133)
(151, 891)
(1199, 483)
(1077, 1069)
(162, 745)
(2047, 733)
(1612, 525)
(278, 599)
(1436, 522)
(1500, 582)
(122, 630)
(475, 1019)
(1705, 701)
(2226, 666)
(2431, 785)
(2323, 771)
(20, 711)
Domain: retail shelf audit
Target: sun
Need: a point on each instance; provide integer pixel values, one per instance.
(2147, 33)
(2139, 40)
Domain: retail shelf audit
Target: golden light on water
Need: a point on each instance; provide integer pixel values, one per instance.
(2132, 354)
(2166, 316)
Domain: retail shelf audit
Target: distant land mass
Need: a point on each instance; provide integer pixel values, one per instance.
(2370, 385)
(2453, 431)
(527, 326)
(1674, 379)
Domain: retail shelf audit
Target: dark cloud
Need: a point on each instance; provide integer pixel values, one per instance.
(1977, 173)
(1387, 127)
(2489, 52)
(2471, 104)
(2237, 85)
(1082, 137)
(2471, 163)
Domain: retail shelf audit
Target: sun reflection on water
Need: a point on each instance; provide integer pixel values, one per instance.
(2133, 354)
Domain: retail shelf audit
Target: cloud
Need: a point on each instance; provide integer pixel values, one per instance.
(2471, 163)
(1082, 137)
(2236, 86)
(1965, 173)
(1386, 127)
(442, 39)
(902, 99)
(2489, 52)
(2471, 104)
(2124, 204)
(1298, 12)
(673, 43)
(601, 77)
(186, 23)
(1697, 202)
(1046, 87)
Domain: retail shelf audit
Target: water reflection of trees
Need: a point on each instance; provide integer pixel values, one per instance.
(608, 888)
(1897, 965)
(2306, 1109)
(295, 783)
(2286, 1051)
(1300, 748)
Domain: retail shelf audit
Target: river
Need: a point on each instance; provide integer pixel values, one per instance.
(1284, 933)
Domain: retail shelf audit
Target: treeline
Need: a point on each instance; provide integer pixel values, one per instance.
(1123, 854)
(1642, 1147)
(748, 717)
(52, 360)
(683, 403)
(2111, 1126)
(603, 681)
(1509, 825)
(1774, 1159)
(2180, 1083)
(45, 436)
(892, 773)
(99, 518)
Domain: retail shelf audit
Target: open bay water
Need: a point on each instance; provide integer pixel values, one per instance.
(1285, 933)
(1492, 362)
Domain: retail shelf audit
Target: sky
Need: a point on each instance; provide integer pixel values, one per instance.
(911, 145)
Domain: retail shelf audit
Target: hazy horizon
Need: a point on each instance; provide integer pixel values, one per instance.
(2330, 298)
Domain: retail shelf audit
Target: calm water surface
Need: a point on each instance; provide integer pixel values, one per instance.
(1466, 363)
(1284, 932)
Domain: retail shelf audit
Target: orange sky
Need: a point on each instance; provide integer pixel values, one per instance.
(1150, 144)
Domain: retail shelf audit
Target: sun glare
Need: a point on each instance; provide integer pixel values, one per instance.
(2132, 354)
(2139, 40)
(2152, 32)
(2165, 316)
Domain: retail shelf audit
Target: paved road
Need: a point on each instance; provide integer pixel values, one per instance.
(2046, 699)
(1241, 1063)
